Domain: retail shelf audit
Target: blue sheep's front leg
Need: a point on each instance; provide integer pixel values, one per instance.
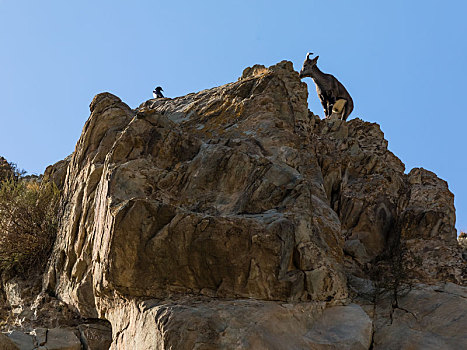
(325, 105)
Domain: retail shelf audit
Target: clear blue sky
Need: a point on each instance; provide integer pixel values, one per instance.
(404, 63)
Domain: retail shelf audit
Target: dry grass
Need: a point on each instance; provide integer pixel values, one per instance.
(28, 224)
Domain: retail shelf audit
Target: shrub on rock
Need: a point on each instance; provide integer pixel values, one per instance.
(28, 224)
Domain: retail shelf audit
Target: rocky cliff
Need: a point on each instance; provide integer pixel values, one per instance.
(234, 218)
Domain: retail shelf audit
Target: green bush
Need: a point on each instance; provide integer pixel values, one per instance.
(28, 224)
(9, 170)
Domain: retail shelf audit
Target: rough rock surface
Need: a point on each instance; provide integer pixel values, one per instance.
(37, 319)
(57, 172)
(30, 308)
(235, 218)
(46, 339)
(240, 324)
(462, 239)
(194, 212)
(426, 318)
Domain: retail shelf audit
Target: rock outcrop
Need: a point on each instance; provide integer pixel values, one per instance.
(57, 172)
(462, 239)
(235, 218)
(430, 317)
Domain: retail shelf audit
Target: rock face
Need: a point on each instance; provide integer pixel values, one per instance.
(53, 339)
(462, 239)
(235, 218)
(241, 324)
(57, 172)
(378, 205)
(426, 318)
(220, 205)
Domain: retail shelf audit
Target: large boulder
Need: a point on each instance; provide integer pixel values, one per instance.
(234, 218)
(206, 194)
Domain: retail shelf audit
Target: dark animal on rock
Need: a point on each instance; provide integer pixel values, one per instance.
(157, 92)
(333, 96)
